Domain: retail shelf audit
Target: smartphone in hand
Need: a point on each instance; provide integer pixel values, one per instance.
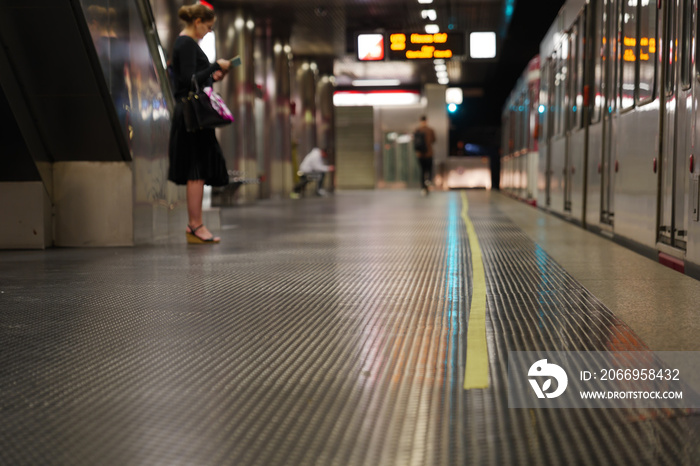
(236, 61)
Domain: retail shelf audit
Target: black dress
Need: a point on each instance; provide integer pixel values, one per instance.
(193, 156)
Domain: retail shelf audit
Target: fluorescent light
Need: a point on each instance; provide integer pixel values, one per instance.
(454, 95)
(432, 28)
(429, 14)
(376, 99)
(440, 67)
(376, 82)
(482, 44)
(425, 2)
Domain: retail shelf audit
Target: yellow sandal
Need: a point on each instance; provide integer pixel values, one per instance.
(192, 237)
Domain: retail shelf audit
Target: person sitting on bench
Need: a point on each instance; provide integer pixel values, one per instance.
(312, 167)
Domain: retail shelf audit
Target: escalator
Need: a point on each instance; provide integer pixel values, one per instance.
(86, 89)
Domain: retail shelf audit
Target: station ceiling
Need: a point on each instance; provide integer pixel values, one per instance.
(323, 28)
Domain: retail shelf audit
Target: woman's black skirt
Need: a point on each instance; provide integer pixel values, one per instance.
(194, 156)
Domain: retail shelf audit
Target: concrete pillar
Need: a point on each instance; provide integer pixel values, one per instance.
(272, 75)
(26, 210)
(325, 120)
(284, 171)
(93, 204)
(278, 128)
(264, 78)
(234, 35)
(305, 121)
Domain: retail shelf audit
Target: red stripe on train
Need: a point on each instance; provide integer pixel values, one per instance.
(672, 262)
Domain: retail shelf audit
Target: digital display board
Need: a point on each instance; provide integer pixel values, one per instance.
(370, 47)
(423, 46)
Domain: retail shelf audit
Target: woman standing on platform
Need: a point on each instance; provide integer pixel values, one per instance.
(195, 158)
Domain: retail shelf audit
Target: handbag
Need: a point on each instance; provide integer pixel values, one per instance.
(204, 108)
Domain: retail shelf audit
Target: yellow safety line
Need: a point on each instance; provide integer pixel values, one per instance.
(476, 372)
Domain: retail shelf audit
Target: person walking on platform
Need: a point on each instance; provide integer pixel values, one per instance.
(196, 158)
(423, 140)
(313, 166)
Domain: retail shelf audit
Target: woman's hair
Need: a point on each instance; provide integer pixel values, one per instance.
(188, 13)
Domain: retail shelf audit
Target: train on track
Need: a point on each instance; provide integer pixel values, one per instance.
(602, 127)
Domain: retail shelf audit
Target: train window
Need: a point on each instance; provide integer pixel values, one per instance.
(522, 117)
(552, 114)
(647, 50)
(572, 79)
(628, 54)
(685, 44)
(580, 70)
(525, 117)
(556, 91)
(545, 101)
(551, 91)
(598, 54)
(560, 81)
(696, 59)
(533, 116)
(611, 78)
(520, 130)
(672, 49)
(576, 75)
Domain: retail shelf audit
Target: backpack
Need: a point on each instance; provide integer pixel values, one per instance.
(419, 143)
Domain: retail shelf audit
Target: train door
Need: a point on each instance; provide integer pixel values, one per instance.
(512, 125)
(570, 114)
(517, 158)
(607, 165)
(533, 89)
(547, 128)
(524, 105)
(559, 95)
(678, 115)
(577, 131)
(598, 57)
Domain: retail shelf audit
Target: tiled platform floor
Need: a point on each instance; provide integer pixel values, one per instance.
(323, 331)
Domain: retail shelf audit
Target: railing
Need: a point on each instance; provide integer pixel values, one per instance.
(155, 47)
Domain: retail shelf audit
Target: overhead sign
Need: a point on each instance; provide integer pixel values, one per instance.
(422, 46)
